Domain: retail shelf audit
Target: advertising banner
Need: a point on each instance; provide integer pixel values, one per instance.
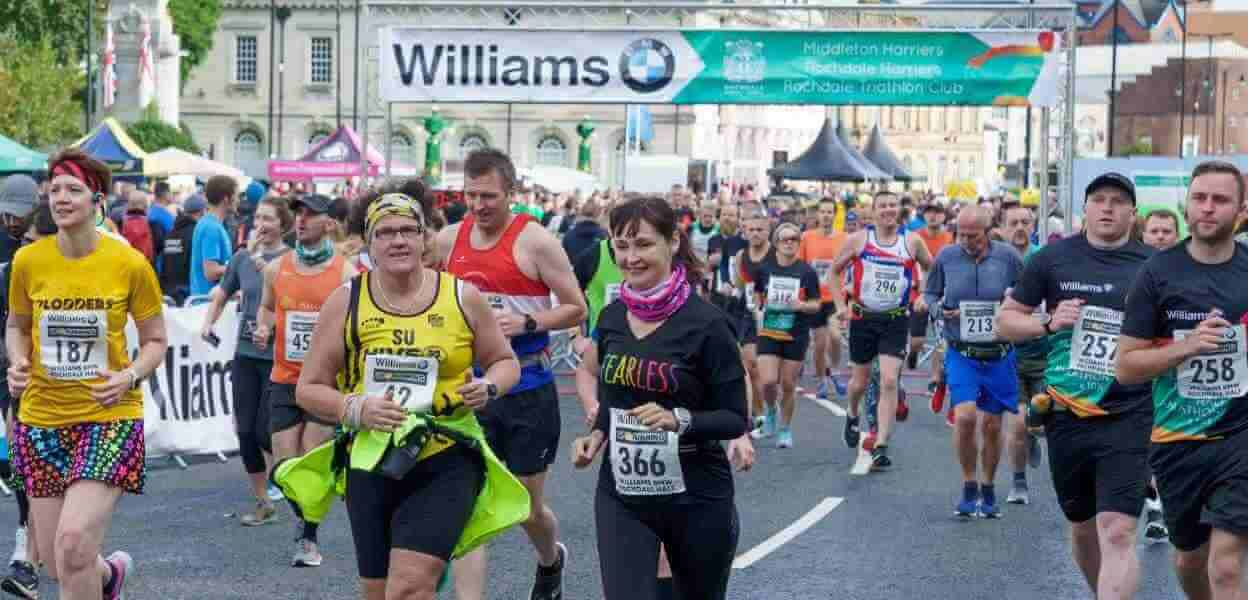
(1016, 68)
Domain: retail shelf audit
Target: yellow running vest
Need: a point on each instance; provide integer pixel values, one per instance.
(420, 359)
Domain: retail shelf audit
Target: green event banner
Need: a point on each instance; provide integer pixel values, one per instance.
(986, 68)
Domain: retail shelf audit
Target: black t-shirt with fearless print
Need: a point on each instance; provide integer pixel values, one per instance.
(690, 361)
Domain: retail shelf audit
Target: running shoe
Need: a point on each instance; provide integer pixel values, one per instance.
(264, 514)
(903, 409)
(769, 425)
(966, 508)
(19, 546)
(1034, 455)
(785, 439)
(548, 585)
(306, 554)
(988, 503)
(22, 580)
(868, 442)
(851, 432)
(879, 458)
(1018, 494)
(822, 394)
(937, 402)
(949, 417)
(275, 493)
(1155, 531)
(841, 390)
(123, 566)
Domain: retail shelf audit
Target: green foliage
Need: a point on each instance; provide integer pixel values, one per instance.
(1139, 148)
(152, 134)
(195, 22)
(62, 23)
(38, 103)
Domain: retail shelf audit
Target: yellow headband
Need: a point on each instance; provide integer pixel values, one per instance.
(392, 204)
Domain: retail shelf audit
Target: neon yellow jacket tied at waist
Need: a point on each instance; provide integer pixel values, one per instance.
(312, 482)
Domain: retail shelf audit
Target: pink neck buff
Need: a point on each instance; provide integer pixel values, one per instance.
(661, 301)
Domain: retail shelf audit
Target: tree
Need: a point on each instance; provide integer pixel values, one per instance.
(195, 22)
(152, 134)
(62, 23)
(38, 103)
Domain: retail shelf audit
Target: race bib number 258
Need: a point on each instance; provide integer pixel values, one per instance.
(1216, 375)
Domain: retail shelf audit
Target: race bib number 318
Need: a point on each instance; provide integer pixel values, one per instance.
(1216, 375)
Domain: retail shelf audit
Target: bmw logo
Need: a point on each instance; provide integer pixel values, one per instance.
(647, 65)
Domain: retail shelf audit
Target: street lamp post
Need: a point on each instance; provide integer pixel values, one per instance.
(272, 68)
(283, 14)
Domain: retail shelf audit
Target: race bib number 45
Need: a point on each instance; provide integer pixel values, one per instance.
(299, 326)
(1216, 375)
(1094, 342)
(409, 380)
(977, 321)
(73, 343)
(644, 462)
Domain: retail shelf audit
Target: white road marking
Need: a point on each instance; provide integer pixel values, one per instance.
(832, 407)
(787, 534)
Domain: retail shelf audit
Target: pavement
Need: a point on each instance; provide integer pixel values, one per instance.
(809, 530)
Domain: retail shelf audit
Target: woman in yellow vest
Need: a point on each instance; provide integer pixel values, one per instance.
(391, 360)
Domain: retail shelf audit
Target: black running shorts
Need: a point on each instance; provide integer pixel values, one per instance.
(869, 338)
(918, 324)
(1203, 486)
(1099, 464)
(284, 413)
(523, 429)
(794, 350)
(425, 512)
(827, 311)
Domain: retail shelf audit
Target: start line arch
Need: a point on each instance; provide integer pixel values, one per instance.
(447, 52)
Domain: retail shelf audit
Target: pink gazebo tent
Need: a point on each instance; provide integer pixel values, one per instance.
(336, 157)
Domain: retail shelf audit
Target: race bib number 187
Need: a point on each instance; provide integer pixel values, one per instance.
(73, 343)
(1216, 375)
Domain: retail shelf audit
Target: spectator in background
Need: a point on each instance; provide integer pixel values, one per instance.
(586, 232)
(210, 245)
(852, 223)
(175, 259)
(454, 212)
(139, 231)
(1160, 228)
(18, 198)
(161, 213)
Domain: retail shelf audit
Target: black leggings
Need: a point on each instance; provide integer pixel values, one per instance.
(251, 410)
(701, 541)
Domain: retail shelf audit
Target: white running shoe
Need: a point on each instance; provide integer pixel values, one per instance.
(19, 546)
(306, 554)
(123, 565)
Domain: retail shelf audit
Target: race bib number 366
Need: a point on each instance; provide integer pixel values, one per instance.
(1216, 375)
(299, 326)
(73, 343)
(1094, 342)
(409, 380)
(644, 462)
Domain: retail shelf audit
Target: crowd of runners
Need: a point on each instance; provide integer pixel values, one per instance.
(413, 377)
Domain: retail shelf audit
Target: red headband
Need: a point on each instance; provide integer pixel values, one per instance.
(75, 170)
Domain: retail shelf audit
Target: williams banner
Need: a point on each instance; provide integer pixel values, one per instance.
(1015, 68)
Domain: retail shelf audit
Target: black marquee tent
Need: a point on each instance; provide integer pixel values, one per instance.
(829, 159)
(878, 174)
(878, 152)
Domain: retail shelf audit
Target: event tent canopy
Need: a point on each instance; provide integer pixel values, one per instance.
(827, 159)
(878, 152)
(175, 161)
(336, 157)
(109, 143)
(877, 174)
(16, 158)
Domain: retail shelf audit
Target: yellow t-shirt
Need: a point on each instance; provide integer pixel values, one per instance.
(79, 310)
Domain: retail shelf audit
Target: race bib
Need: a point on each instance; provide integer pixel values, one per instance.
(644, 462)
(1216, 375)
(613, 292)
(496, 304)
(782, 293)
(883, 286)
(977, 321)
(822, 268)
(73, 343)
(299, 326)
(1094, 343)
(409, 380)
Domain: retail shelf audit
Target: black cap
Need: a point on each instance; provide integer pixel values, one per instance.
(317, 203)
(1111, 179)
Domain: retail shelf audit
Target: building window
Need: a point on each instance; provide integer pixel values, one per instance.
(322, 60)
(402, 150)
(471, 143)
(247, 157)
(1001, 113)
(1232, 122)
(552, 151)
(1121, 35)
(1235, 93)
(972, 168)
(245, 59)
(316, 138)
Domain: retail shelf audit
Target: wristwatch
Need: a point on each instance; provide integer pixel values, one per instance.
(1048, 322)
(530, 324)
(491, 390)
(684, 420)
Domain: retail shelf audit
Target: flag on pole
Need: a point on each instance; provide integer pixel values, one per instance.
(147, 73)
(109, 79)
